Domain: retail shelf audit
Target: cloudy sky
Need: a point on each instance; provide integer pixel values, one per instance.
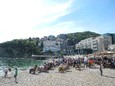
(38, 18)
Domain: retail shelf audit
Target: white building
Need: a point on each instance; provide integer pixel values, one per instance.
(97, 44)
(53, 45)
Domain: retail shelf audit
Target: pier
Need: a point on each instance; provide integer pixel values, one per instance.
(42, 57)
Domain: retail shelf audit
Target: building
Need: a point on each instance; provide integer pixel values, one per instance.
(52, 45)
(51, 37)
(112, 37)
(97, 44)
(111, 47)
(67, 50)
(57, 45)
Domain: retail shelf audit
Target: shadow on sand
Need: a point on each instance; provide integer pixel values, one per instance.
(108, 76)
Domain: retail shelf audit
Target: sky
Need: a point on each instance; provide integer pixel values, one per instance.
(20, 19)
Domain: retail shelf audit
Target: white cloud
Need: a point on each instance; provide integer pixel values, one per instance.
(19, 17)
(61, 28)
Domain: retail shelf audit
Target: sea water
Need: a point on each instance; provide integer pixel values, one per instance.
(20, 63)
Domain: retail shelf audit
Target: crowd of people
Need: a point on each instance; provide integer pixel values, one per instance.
(65, 64)
(78, 63)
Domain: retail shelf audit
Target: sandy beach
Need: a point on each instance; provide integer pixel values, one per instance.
(86, 77)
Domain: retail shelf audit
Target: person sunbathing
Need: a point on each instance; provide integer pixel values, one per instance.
(63, 67)
(43, 68)
(33, 70)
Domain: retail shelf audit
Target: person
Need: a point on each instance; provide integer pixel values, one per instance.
(91, 61)
(85, 61)
(33, 70)
(74, 63)
(15, 74)
(6, 71)
(101, 66)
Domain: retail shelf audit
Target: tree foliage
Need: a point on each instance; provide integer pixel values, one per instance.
(20, 48)
(74, 38)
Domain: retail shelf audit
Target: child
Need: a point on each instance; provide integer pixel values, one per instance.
(15, 74)
(6, 71)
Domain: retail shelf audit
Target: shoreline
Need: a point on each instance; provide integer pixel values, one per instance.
(23, 67)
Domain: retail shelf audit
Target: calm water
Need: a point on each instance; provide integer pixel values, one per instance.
(21, 63)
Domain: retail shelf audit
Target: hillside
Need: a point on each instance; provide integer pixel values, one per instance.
(20, 48)
(74, 38)
(26, 47)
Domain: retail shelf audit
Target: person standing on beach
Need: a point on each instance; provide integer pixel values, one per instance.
(15, 74)
(101, 66)
(85, 61)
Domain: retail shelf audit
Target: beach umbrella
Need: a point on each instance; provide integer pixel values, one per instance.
(106, 53)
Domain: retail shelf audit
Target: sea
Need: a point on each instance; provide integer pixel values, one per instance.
(20, 63)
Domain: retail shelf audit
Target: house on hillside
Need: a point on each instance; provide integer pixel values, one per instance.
(52, 44)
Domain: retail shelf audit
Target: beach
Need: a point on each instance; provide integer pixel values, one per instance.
(73, 77)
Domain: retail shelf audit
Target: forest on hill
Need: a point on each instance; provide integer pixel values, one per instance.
(74, 38)
(20, 48)
(24, 48)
